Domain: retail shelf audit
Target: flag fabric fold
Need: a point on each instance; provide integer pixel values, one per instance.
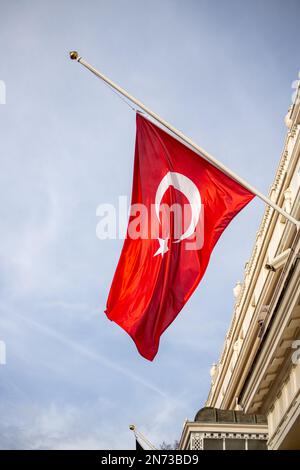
(180, 206)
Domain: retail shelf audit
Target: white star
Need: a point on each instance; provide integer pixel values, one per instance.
(163, 247)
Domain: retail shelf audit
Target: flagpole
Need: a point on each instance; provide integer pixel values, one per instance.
(139, 436)
(75, 56)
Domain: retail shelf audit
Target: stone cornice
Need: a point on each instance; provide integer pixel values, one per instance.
(253, 269)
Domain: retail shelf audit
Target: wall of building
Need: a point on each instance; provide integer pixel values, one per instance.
(255, 371)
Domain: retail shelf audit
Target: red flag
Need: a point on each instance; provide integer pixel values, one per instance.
(159, 269)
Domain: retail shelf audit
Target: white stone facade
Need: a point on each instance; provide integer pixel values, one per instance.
(259, 368)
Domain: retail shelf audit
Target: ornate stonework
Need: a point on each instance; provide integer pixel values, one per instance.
(255, 371)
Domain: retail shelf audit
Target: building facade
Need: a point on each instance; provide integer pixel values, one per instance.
(215, 429)
(258, 372)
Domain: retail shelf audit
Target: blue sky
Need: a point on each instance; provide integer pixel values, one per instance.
(222, 72)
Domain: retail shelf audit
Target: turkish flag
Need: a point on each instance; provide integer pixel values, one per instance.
(165, 254)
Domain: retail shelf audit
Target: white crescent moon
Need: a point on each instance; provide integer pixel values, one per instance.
(189, 189)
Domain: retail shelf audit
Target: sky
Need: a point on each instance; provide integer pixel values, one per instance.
(221, 72)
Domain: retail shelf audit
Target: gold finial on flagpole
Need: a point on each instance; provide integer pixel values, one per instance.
(74, 55)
